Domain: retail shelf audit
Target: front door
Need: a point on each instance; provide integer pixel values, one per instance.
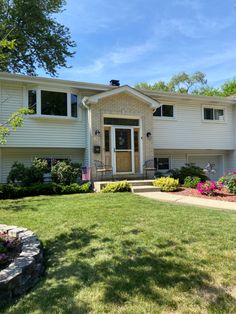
(123, 147)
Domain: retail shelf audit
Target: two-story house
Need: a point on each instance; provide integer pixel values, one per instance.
(120, 126)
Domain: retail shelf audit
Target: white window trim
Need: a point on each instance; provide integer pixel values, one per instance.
(164, 117)
(170, 162)
(38, 103)
(214, 107)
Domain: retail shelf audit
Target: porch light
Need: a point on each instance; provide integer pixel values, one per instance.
(149, 134)
(97, 132)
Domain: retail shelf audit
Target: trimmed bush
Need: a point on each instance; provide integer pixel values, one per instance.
(189, 170)
(121, 186)
(229, 181)
(191, 182)
(13, 191)
(166, 184)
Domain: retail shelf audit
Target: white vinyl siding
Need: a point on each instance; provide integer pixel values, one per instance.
(200, 157)
(41, 131)
(189, 131)
(27, 155)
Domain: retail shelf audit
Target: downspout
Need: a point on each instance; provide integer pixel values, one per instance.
(84, 100)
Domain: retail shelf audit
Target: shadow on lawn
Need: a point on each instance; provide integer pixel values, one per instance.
(22, 204)
(129, 270)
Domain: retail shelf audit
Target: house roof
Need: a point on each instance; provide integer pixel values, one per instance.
(127, 90)
(158, 96)
(53, 81)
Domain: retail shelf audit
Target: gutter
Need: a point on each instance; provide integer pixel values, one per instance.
(89, 133)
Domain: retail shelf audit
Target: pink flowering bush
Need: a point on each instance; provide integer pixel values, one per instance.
(209, 187)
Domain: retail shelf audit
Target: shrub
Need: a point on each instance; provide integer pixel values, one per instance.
(229, 181)
(166, 184)
(28, 175)
(14, 191)
(189, 170)
(121, 186)
(65, 172)
(17, 173)
(209, 187)
(191, 182)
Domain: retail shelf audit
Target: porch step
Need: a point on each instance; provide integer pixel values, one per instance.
(140, 182)
(144, 188)
(135, 184)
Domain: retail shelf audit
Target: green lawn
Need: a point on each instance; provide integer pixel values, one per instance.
(121, 253)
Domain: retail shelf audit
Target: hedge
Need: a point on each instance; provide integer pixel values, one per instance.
(14, 191)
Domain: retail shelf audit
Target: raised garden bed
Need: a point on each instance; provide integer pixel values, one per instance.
(22, 266)
(222, 195)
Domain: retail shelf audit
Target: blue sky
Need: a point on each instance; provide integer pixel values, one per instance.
(150, 40)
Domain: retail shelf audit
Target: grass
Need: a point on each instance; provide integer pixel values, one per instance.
(121, 253)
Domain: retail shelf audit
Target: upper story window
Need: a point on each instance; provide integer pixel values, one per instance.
(32, 102)
(164, 111)
(213, 114)
(53, 103)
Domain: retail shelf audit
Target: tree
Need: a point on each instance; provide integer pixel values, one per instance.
(226, 89)
(229, 88)
(15, 121)
(191, 84)
(161, 85)
(41, 41)
(184, 83)
(181, 83)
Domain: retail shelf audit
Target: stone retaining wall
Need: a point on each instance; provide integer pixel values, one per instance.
(25, 270)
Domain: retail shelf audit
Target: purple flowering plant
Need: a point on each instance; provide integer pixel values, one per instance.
(7, 244)
(209, 187)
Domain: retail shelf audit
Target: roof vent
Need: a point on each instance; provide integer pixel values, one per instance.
(114, 82)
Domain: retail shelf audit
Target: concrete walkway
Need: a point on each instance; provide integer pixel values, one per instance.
(169, 197)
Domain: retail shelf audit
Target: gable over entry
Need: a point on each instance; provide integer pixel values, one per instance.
(119, 121)
(123, 89)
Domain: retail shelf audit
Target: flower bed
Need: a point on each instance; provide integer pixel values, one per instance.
(22, 264)
(9, 248)
(222, 195)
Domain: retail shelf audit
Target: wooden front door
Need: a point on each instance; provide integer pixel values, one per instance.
(123, 157)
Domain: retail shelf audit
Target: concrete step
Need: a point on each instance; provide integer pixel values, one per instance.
(144, 188)
(134, 183)
(140, 182)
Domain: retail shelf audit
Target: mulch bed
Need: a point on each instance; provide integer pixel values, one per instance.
(222, 195)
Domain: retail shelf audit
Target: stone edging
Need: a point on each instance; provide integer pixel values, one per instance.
(25, 270)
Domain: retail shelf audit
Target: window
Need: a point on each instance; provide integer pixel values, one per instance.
(163, 163)
(52, 161)
(53, 103)
(32, 100)
(107, 140)
(213, 114)
(136, 140)
(74, 106)
(120, 121)
(164, 111)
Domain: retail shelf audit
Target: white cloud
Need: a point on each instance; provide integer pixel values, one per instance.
(118, 57)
